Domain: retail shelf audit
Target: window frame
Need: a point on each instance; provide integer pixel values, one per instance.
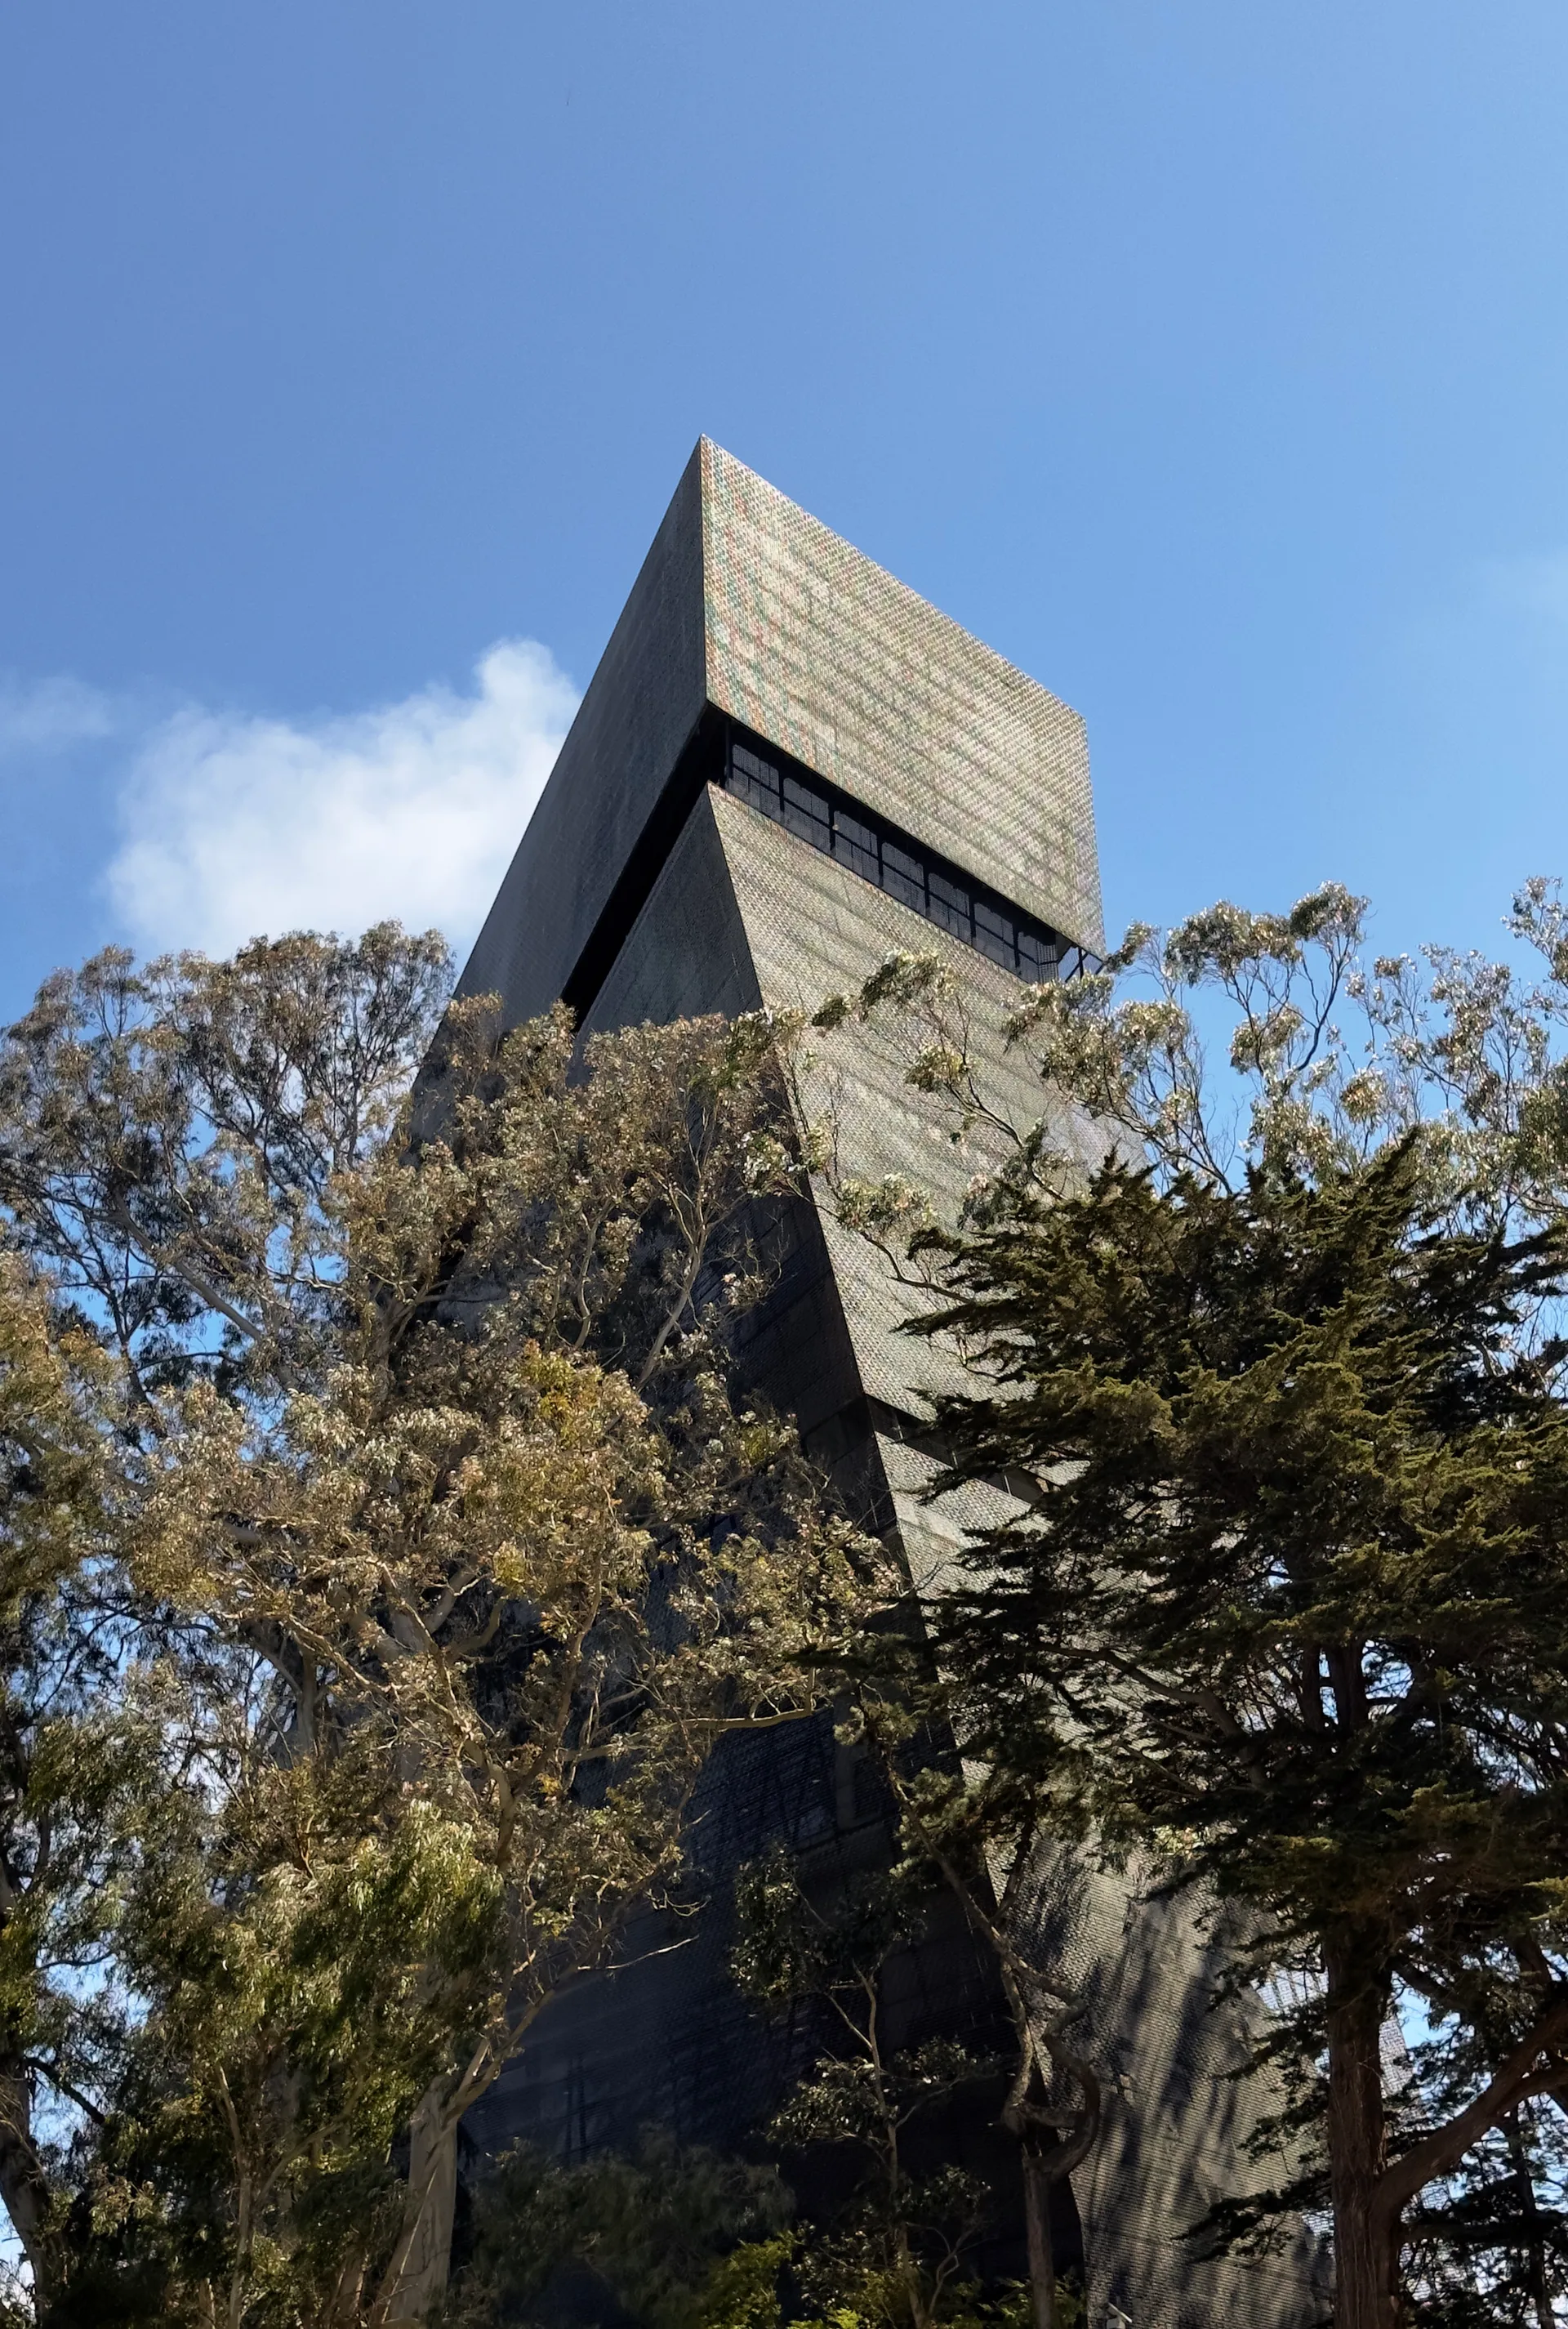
(791, 795)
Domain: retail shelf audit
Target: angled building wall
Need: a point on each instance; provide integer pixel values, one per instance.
(787, 767)
(815, 647)
(746, 606)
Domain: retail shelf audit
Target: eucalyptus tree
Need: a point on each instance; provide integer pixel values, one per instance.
(455, 1554)
(73, 1763)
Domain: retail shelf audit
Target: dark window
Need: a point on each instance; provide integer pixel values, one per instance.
(868, 848)
(904, 877)
(1036, 959)
(993, 934)
(806, 812)
(949, 905)
(754, 780)
(856, 844)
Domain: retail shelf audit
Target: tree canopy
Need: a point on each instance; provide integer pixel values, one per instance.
(387, 1542)
(441, 1554)
(1266, 1359)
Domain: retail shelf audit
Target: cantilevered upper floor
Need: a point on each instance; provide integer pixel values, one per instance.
(758, 651)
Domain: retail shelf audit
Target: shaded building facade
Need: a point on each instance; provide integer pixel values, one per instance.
(787, 766)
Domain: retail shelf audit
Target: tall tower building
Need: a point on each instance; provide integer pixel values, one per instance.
(787, 767)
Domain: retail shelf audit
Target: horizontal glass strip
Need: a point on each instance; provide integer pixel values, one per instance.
(1030, 953)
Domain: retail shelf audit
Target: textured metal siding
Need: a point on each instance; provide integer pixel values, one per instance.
(747, 602)
(813, 645)
(814, 928)
(643, 703)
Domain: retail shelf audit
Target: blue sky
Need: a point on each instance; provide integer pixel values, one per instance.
(1211, 360)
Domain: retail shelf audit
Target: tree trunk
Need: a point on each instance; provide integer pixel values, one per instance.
(1366, 2237)
(1048, 2153)
(1534, 2242)
(1037, 2229)
(906, 2271)
(416, 2278)
(24, 2185)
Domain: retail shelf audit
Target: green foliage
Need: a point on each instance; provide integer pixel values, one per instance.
(293, 2016)
(390, 1475)
(680, 2239)
(742, 2291)
(899, 2251)
(169, 1135)
(79, 1773)
(1268, 1359)
(1320, 1640)
(1288, 1604)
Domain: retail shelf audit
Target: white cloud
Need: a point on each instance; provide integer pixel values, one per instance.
(234, 825)
(50, 715)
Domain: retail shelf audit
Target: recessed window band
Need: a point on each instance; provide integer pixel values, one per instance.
(893, 862)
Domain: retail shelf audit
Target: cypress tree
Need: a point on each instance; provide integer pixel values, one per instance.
(1285, 1596)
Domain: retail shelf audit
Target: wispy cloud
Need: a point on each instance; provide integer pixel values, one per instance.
(234, 825)
(53, 716)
